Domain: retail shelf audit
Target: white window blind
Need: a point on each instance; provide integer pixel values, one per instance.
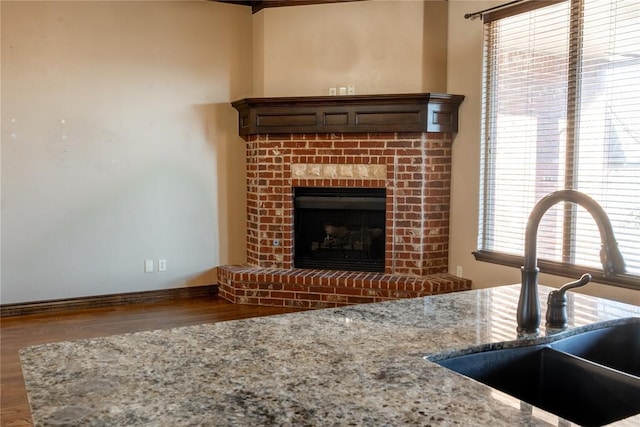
(562, 110)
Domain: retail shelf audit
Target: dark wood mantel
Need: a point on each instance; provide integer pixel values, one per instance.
(418, 112)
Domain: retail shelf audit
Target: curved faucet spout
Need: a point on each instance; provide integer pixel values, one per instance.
(528, 315)
(610, 256)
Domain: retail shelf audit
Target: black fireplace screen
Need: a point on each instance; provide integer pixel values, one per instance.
(339, 228)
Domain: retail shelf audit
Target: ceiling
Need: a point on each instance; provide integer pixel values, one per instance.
(257, 5)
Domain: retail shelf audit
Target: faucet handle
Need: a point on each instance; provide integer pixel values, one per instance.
(583, 280)
(557, 303)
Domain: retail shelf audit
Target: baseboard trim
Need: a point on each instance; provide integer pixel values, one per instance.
(50, 306)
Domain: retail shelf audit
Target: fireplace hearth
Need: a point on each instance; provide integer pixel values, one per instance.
(339, 228)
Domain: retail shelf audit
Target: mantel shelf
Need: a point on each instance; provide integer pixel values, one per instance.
(420, 112)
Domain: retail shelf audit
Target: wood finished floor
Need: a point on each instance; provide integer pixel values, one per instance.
(24, 331)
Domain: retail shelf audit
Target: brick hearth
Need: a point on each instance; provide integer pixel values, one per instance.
(415, 171)
(324, 288)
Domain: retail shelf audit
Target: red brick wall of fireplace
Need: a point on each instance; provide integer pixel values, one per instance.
(414, 168)
(415, 171)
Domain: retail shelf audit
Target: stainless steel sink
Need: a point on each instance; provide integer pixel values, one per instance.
(590, 378)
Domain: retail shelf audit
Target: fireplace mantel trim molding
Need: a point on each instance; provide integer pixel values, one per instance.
(417, 112)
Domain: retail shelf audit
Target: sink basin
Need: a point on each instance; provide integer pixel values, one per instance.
(617, 347)
(589, 379)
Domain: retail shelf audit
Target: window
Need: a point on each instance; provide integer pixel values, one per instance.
(562, 111)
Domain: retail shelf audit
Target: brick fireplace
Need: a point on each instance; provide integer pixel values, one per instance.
(294, 150)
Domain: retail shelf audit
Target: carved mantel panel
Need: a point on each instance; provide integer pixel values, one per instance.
(422, 112)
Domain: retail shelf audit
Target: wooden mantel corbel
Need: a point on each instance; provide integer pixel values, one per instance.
(420, 112)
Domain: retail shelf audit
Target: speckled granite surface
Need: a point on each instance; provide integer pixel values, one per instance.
(360, 365)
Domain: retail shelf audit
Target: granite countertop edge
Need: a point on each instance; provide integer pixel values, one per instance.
(355, 365)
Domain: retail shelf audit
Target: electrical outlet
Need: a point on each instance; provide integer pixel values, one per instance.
(333, 91)
(351, 90)
(162, 265)
(459, 271)
(148, 266)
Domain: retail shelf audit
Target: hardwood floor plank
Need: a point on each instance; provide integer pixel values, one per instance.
(17, 332)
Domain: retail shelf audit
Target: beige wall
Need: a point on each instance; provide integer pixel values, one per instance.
(377, 45)
(435, 37)
(119, 145)
(464, 77)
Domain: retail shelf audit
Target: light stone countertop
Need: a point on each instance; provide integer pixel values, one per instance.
(361, 365)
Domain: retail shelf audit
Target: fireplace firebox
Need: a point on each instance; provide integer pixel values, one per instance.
(339, 228)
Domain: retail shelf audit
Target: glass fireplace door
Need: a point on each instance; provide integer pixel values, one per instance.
(339, 228)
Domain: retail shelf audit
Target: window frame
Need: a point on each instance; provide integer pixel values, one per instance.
(565, 268)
